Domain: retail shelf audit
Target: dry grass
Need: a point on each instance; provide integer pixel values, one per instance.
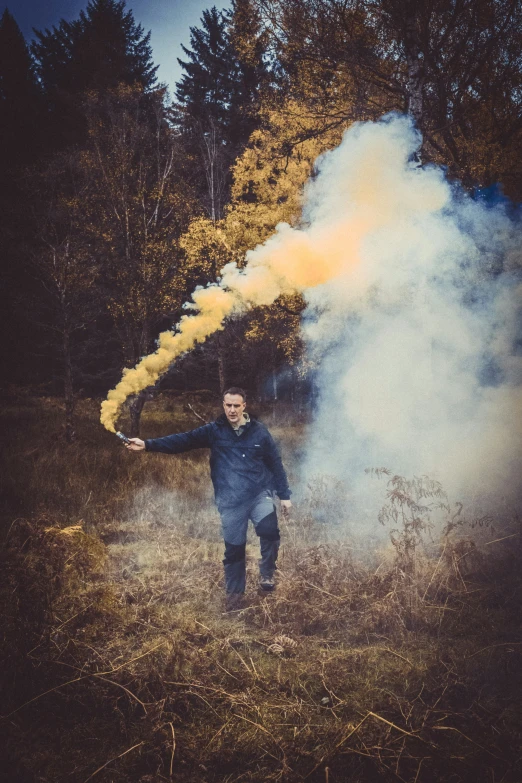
(120, 664)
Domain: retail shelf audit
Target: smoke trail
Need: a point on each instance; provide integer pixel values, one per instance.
(413, 300)
(213, 304)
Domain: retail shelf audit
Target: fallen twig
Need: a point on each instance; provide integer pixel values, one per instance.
(496, 540)
(130, 693)
(173, 749)
(398, 655)
(322, 590)
(111, 760)
(452, 728)
(196, 414)
(491, 647)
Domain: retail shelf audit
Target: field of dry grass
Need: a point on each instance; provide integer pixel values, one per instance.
(120, 664)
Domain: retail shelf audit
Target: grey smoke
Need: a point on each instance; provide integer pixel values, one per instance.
(418, 343)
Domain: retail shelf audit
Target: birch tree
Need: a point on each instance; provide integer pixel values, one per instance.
(65, 264)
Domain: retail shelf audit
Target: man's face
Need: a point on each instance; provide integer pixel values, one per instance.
(234, 406)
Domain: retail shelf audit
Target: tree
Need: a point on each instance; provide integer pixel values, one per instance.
(136, 208)
(109, 218)
(204, 90)
(453, 64)
(65, 263)
(267, 188)
(461, 77)
(18, 98)
(101, 49)
(19, 146)
(219, 96)
(219, 100)
(203, 95)
(329, 60)
(253, 78)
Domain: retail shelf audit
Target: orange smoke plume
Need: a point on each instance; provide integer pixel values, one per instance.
(214, 304)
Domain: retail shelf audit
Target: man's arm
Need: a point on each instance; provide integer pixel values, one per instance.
(175, 444)
(274, 463)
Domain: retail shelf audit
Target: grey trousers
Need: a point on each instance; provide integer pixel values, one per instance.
(234, 525)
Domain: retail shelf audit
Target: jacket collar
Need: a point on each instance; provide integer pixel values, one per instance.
(222, 419)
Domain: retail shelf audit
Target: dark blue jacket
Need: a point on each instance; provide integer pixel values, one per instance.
(241, 466)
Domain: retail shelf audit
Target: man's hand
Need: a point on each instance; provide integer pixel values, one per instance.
(286, 505)
(136, 444)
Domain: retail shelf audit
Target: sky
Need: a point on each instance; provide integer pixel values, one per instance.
(168, 20)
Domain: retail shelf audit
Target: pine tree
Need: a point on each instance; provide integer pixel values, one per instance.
(204, 90)
(18, 98)
(104, 47)
(252, 80)
(19, 146)
(219, 95)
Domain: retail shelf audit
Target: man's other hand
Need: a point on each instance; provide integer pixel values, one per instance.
(136, 444)
(286, 505)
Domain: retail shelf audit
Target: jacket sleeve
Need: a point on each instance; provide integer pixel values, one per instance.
(272, 458)
(199, 438)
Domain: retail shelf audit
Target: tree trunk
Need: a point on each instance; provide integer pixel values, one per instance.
(135, 409)
(213, 170)
(68, 389)
(274, 392)
(222, 370)
(415, 77)
(136, 344)
(212, 188)
(415, 88)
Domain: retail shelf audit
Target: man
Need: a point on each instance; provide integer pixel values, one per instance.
(246, 469)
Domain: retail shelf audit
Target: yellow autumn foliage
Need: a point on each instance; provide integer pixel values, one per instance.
(268, 187)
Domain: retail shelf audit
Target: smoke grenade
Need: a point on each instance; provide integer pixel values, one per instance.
(123, 438)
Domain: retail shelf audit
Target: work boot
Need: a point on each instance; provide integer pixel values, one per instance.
(267, 583)
(233, 602)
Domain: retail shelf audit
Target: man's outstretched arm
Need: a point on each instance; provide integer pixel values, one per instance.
(175, 444)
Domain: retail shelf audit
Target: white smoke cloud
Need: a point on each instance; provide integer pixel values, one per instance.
(420, 369)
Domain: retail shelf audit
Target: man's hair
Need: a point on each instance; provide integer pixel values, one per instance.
(235, 390)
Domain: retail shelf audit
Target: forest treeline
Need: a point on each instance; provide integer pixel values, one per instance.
(117, 199)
